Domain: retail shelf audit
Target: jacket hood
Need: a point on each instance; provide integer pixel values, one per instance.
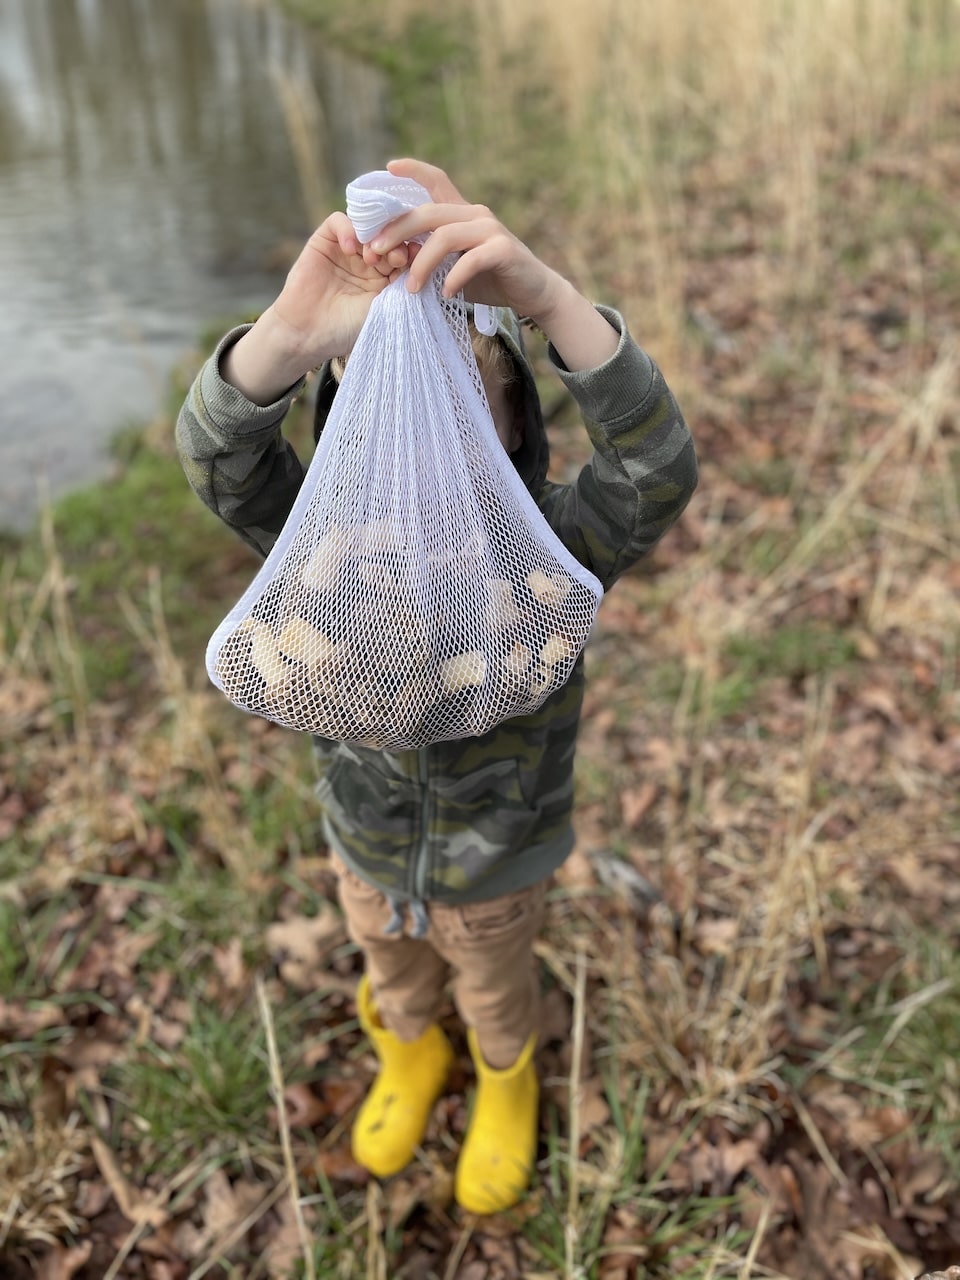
(532, 459)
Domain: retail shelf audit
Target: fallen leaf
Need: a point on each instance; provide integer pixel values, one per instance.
(717, 1165)
(338, 1164)
(635, 802)
(165, 1269)
(301, 943)
(24, 1023)
(556, 1016)
(576, 872)
(625, 1227)
(915, 878)
(401, 1196)
(285, 1248)
(304, 1108)
(476, 1270)
(431, 1187)
(716, 937)
(341, 1096)
(167, 1033)
(92, 1198)
(62, 1264)
(229, 964)
(592, 1104)
(317, 1052)
(49, 1104)
(227, 1203)
(928, 1172)
(501, 1252)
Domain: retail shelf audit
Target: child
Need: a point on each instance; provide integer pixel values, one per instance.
(443, 855)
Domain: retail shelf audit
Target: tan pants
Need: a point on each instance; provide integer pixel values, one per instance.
(485, 948)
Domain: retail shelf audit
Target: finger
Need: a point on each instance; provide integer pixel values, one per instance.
(435, 180)
(426, 219)
(386, 263)
(483, 260)
(342, 228)
(392, 265)
(460, 238)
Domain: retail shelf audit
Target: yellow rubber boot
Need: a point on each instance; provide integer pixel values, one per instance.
(501, 1143)
(393, 1118)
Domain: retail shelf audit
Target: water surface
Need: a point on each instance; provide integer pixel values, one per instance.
(148, 188)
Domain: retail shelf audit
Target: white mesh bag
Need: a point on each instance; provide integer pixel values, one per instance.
(416, 593)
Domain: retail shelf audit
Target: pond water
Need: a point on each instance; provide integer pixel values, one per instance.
(148, 188)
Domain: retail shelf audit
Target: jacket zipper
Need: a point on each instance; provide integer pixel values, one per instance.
(422, 855)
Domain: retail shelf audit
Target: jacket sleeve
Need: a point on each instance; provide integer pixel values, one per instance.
(643, 471)
(234, 454)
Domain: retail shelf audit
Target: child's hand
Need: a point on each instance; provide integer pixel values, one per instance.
(328, 291)
(329, 288)
(318, 313)
(494, 267)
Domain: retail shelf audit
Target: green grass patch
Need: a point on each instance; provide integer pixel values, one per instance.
(792, 651)
(728, 696)
(909, 1044)
(211, 1093)
(203, 902)
(749, 662)
(112, 540)
(773, 478)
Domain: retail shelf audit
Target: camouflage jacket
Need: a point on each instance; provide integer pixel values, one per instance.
(476, 817)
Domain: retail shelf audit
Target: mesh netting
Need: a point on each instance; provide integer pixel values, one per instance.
(416, 593)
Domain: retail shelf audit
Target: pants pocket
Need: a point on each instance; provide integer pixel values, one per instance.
(520, 911)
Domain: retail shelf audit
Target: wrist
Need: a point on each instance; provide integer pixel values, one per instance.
(579, 334)
(267, 360)
(554, 297)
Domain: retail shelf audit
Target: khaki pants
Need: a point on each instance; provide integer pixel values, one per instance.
(484, 948)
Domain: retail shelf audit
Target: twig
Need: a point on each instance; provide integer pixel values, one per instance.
(817, 1138)
(276, 1081)
(238, 1230)
(905, 1009)
(144, 1222)
(765, 1215)
(573, 1180)
(125, 1250)
(875, 1238)
(376, 1256)
(459, 1249)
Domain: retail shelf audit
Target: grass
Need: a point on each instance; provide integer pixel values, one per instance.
(910, 1044)
(201, 1094)
(792, 652)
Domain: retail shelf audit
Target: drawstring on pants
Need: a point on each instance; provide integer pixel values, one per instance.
(418, 918)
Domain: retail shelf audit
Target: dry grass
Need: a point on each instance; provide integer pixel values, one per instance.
(635, 92)
(40, 1169)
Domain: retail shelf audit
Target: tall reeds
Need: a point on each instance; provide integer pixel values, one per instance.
(634, 92)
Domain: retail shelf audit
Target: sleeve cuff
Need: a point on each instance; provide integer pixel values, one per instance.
(615, 388)
(229, 408)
